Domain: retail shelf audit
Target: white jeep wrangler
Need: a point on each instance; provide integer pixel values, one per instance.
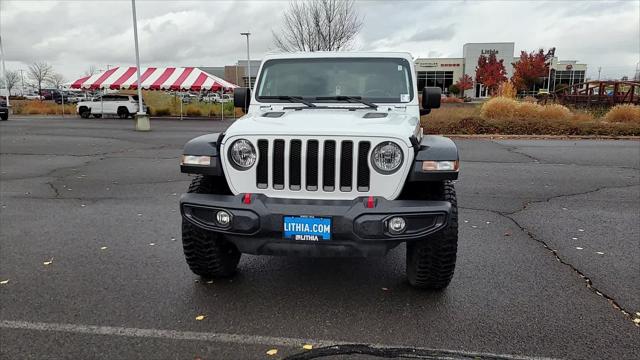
(329, 160)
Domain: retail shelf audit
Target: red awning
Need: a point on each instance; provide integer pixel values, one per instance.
(152, 78)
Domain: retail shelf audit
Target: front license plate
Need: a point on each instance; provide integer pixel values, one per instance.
(307, 228)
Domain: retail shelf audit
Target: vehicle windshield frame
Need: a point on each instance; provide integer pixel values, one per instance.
(398, 60)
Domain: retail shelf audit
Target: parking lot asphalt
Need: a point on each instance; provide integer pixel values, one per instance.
(91, 264)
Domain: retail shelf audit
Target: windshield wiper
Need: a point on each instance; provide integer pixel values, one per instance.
(357, 99)
(290, 98)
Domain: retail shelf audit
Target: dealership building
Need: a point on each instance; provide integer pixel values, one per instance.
(443, 72)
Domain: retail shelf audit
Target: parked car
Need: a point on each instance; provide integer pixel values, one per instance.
(187, 98)
(49, 94)
(122, 105)
(4, 109)
(336, 168)
(33, 96)
(211, 98)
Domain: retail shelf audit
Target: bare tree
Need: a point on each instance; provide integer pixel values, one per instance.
(40, 72)
(91, 70)
(56, 80)
(10, 80)
(318, 25)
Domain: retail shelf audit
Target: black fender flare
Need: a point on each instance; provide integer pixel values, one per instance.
(205, 145)
(434, 148)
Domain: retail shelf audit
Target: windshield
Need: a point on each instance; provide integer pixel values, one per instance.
(386, 80)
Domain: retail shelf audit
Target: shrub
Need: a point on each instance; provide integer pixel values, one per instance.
(161, 112)
(624, 113)
(193, 111)
(498, 108)
(506, 89)
(451, 99)
(525, 110)
(454, 89)
(554, 112)
(530, 99)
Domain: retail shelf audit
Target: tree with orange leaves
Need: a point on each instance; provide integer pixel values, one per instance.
(528, 71)
(490, 72)
(464, 83)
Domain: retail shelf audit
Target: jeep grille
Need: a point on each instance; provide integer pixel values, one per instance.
(336, 156)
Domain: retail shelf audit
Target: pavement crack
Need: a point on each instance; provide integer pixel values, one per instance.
(548, 199)
(54, 188)
(513, 150)
(587, 280)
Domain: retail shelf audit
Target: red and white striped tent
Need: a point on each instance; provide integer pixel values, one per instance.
(154, 78)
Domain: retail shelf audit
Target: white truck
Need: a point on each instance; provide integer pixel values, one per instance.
(122, 105)
(329, 160)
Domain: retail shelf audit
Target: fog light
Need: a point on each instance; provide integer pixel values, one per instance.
(440, 165)
(397, 225)
(223, 218)
(196, 160)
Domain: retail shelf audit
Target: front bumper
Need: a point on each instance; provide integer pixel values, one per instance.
(257, 227)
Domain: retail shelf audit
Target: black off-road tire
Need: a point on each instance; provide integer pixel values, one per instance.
(97, 116)
(431, 262)
(85, 112)
(206, 252)
(123, 113)
(4, 117)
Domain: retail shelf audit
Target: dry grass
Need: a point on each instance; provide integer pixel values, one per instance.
(521, 118)
(625, 113)
(37, 107)
(164, 104)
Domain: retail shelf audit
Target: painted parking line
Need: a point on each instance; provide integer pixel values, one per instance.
(220, 337)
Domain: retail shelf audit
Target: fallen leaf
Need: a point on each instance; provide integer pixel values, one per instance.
(564, 209)
(473, 226)
(103, 248)
(210, 282)
(599, 253)
(581, 230)
(48, 262)
(139, 214)
(636, 320)
(466, 221)
(507, 233)
(307, 346)
(574, 238)
(272, 352)
(578, 248)
(152, 244)
(488, 222)
(4, 282)
(200, 317)
(173, 239)
(83, 205)
(385, 289)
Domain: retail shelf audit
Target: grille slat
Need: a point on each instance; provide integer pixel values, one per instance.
(346, 166)
(329, 166)
(296, 163)
(312, 165)
(262, 170)
(363, 166)
(278, 164)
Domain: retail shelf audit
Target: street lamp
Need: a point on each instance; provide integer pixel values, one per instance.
(248, 57)
(142, 120)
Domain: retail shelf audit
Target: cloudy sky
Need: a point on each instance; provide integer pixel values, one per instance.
(72, 35)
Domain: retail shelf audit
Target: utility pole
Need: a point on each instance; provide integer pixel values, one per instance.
(4, 72)
(22, 79)
(248, 58)
(142, 120)
(599, 70)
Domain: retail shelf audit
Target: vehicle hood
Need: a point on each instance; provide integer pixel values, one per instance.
(327, 122)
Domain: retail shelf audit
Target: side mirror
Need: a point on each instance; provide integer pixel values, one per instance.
(430, 99)
(242, 98)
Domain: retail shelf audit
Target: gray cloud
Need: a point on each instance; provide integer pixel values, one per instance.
(434, 34)
(72, 35)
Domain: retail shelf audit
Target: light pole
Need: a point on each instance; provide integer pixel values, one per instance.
(599, 70)
(248, 58)
(22, 79)
(142, 120)
(4, 72)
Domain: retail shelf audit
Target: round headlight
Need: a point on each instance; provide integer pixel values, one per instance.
(242, 154)
(386, 157)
